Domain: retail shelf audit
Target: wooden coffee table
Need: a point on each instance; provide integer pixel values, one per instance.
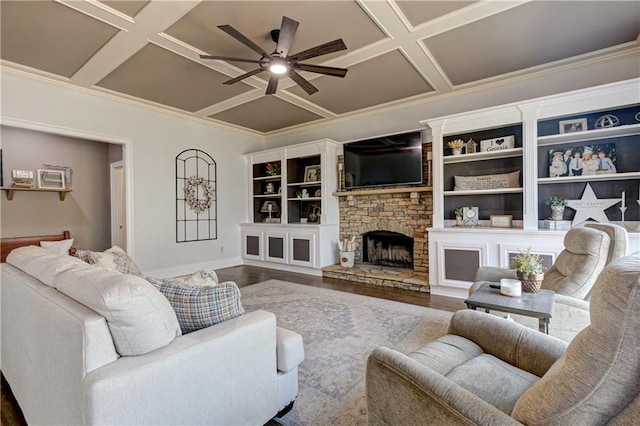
(538, 305)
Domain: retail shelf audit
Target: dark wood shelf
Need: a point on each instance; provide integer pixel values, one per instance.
(10, 191)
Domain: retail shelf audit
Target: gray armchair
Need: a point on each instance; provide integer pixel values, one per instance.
(490, 371)
(587, 251)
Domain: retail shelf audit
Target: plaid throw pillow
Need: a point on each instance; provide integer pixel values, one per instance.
(199, 306)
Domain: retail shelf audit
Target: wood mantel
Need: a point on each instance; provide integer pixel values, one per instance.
(357, 192)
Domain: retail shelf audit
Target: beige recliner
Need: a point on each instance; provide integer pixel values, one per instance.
(493, 372)
(587, 250)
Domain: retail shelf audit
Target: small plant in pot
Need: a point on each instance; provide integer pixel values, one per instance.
(557, 205)
(458, 214)
(528, 266)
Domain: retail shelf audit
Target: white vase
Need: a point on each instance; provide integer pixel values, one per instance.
(457, 151)
(557, 212)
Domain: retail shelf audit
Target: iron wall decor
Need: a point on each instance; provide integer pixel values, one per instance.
(196, 196)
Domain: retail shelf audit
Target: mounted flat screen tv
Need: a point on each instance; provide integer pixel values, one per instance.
(383, 161)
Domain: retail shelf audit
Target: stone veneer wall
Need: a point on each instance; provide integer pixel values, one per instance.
(407, 213)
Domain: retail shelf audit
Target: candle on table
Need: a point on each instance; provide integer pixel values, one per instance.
(623, 199)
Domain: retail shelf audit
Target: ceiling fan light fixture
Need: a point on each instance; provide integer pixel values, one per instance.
(278, 67)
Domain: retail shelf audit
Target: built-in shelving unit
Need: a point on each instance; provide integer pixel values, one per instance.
(542, 127)
(10, 191)
(303, 229)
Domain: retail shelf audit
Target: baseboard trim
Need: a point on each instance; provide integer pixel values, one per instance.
(284, 267)
(193, 267)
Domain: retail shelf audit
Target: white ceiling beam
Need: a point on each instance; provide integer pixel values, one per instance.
(154, 18)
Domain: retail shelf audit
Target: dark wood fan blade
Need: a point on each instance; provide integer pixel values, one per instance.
(273, 84)
(323, 49)
(332, 71)
(226, 58)
(302, 82)
(243, 76)
(288, 30)
(242, 39)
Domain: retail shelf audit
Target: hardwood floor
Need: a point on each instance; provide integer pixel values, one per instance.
(11, 415)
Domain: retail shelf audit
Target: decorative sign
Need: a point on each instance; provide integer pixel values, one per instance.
(589, 207)
(498, 144)
(470, 216)
(484, 182)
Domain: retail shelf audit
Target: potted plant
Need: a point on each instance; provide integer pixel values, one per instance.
(528, 266)
(456, 146)
(557, 205)
(458, 215)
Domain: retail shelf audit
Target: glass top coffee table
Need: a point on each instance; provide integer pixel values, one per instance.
(538, 305)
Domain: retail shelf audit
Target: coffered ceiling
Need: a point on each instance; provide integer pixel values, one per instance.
(397, 51)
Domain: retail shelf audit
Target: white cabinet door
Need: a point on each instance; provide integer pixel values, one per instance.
(252, 245)
(276, 247)
(302, 249)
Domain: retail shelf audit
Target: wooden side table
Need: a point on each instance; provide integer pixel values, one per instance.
(538, 305)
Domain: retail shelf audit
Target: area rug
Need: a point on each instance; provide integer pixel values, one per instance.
(340, 330)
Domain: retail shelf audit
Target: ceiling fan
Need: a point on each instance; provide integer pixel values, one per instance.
(279, 62)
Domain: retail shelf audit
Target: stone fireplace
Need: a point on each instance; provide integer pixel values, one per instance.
(398, 214)
(402, 213)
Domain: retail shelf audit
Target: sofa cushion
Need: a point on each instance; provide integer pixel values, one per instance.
(139, 317)
(41, 263)
(201, 277)
(58, 247)
(199, 306)
(597, 378)
(115, 259)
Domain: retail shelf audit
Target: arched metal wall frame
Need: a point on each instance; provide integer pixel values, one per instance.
(190, 224)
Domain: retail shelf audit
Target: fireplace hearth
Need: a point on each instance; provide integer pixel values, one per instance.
(388, 249)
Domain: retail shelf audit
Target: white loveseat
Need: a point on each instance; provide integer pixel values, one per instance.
(62, 364)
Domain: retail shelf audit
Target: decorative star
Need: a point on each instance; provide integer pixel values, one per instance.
(589, 207)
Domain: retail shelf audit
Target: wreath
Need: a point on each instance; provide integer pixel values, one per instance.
(191, 194)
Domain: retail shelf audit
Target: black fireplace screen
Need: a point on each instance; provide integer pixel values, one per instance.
(387, 248)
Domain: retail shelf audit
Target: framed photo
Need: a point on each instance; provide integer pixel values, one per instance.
(582, 160)
(501, 220)
(572, 126)
(312, 173)
(50, 179)
(64, 169)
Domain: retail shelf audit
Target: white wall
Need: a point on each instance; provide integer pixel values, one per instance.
(155, 140)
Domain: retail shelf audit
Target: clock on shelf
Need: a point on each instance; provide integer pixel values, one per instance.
(469, 216)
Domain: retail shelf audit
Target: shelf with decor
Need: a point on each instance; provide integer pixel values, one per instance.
(599, 160)
(493, 155)
(489, 178)
(302, 189)
(605, 117)
(484, 192)
(266, 191)
(11, 190)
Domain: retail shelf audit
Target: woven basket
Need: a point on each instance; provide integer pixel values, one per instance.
(531, 283)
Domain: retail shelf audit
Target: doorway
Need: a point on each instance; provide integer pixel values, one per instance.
(118, 205)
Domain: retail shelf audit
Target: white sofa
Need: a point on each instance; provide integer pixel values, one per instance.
(63, 367)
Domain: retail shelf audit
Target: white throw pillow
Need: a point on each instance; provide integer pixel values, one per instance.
(115, 259)
(58, 247)
(140, 318)
(201, 277)
(41, 263)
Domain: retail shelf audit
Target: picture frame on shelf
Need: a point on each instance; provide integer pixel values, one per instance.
(582, 160)
(312, 173)
(64, 169)
(501, 220)
(470, 216)
(572, 126)
(50, 179)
